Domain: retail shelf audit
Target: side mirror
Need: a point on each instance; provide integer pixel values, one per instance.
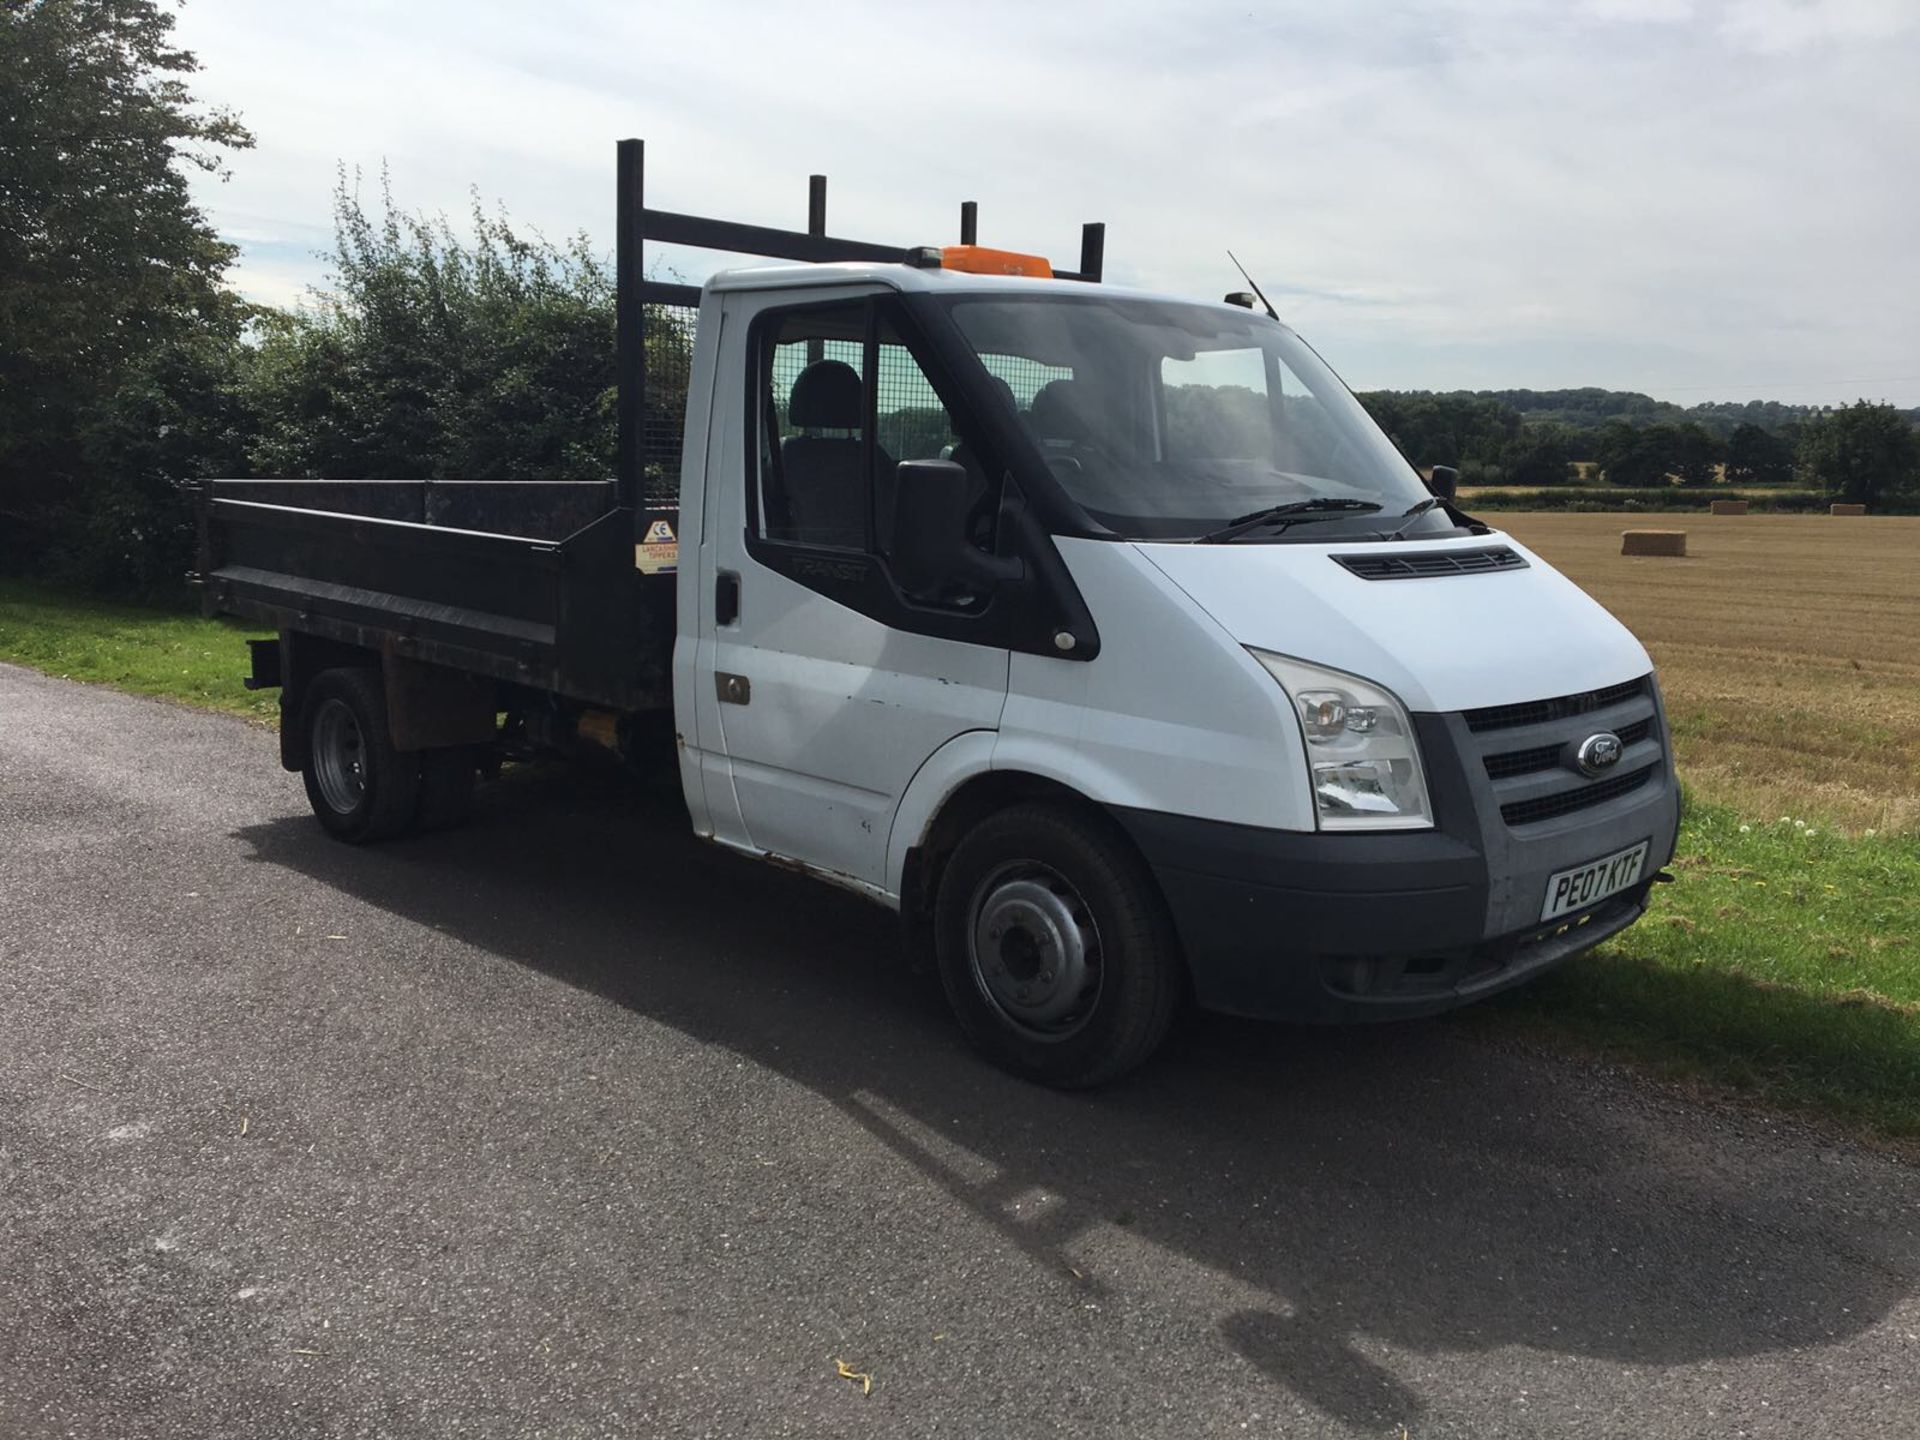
(1445, 482)
(930, 551)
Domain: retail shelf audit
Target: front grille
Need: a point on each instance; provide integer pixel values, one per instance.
(1523, 762)
(1566, 802)
(1546, 757)
(1424, 564)
(1561, 707)
(1527, 750)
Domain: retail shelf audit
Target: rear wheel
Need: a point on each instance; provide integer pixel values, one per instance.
(360, 787)
(1054, 948)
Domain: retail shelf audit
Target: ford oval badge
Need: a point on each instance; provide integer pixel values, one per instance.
(1599, 753)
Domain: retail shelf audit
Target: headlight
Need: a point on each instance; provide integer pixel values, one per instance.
(1362, 759)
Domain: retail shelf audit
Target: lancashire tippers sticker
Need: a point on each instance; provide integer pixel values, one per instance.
(659, 553)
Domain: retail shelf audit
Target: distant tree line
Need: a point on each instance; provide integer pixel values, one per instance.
(127, 366)
(1862, 452)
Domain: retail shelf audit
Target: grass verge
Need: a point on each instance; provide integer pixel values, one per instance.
(1784, 965)
(144, 649)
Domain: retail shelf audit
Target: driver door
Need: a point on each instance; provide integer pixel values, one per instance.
(828, 689)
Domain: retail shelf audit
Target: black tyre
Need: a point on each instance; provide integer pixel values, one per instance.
(360, 787)
(1054, 947)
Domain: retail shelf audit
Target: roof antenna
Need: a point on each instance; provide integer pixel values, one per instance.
(1256, 285)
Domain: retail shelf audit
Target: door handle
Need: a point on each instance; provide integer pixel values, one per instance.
(732, 689)
(726, 598)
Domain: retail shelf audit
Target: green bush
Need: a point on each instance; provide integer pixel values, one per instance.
(431, 357)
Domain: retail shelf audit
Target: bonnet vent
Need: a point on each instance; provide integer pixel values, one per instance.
(1378, 565)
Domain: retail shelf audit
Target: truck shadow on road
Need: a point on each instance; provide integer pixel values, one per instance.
(1338, 1191)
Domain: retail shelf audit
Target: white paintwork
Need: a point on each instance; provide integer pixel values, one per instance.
(1172, 715)
(703, 773)
(844, 710)
(947, 769)
(856, 735)
(1449, 643)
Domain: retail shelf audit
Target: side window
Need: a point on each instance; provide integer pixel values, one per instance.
(813, 441)
(912, 422)
(837, 410)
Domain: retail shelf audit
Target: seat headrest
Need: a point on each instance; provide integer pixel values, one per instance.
(827, 396)
(1059, 413)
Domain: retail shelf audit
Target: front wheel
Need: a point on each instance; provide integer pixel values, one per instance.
(360, 787)
(1054, 948)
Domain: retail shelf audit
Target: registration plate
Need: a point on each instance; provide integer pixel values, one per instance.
(1570, 890)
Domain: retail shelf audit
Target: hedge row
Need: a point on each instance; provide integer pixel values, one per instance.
(1672, 498)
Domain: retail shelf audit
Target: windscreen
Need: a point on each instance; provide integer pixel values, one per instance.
(1170, 421)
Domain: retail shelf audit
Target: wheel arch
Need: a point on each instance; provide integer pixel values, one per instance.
(303, 656)
(1070, 865)
(428, 706)
(955, 790)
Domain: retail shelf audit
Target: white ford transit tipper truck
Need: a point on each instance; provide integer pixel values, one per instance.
(1101, 634)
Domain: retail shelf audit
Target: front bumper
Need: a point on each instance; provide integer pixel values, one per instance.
(1329, 928)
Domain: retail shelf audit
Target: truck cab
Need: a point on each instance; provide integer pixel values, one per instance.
(1190, 594)
(1101, 634)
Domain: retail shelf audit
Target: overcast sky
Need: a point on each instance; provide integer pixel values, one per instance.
(1701, 199)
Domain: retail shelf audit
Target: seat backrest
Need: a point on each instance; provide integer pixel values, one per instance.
(826, 503)
(827, 395)
(825, 486)
(1059, 413)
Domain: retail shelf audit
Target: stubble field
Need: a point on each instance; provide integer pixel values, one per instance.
(1786, 647)
(1786, 961)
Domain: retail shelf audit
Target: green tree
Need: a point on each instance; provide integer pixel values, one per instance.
(1695, 453)
(1758, 457)
(1461, 429)
(1538, 455)
(180, 412)
(106, 264)
(1637, 455)
(1861, 453)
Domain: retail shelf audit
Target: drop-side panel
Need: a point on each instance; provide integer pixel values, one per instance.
(571, 616)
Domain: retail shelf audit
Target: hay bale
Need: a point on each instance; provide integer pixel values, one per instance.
(1653, 542)
(1846, 509)
(1729, 507)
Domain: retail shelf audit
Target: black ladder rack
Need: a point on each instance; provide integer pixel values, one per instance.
(635, 225)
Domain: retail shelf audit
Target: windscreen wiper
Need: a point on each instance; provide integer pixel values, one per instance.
(1292, 512)
(1409, 515)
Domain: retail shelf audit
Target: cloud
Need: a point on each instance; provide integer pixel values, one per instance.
(1689, 199)
(1656, 12)
(1781, 27)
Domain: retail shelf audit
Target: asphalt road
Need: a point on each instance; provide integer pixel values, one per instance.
(563, 1125)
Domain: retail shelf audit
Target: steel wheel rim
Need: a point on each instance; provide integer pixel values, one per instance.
(1034, 950)
(339, 757)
